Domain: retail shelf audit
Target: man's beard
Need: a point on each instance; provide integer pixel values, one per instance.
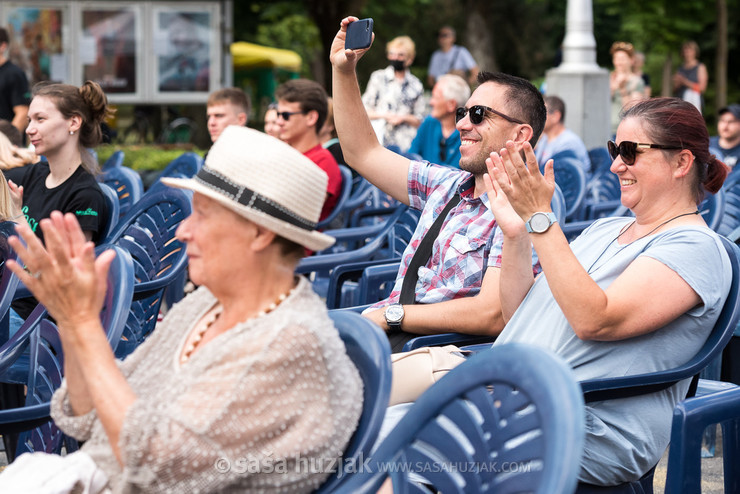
(476, 164)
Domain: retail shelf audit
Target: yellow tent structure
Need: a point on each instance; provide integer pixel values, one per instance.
(247, 56)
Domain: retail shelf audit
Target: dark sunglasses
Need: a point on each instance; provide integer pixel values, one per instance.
(477, 113)
(285, 115)
(628, 150)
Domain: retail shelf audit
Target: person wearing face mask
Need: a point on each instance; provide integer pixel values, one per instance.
(394, 98)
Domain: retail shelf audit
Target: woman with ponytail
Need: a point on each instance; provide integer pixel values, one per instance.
(63, 122)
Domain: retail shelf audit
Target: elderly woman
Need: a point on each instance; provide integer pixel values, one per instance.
(245, 386)
(628, 296)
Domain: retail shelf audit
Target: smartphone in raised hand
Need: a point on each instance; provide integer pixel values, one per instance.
(359, 34)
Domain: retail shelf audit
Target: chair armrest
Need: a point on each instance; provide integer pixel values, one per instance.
(458, 339)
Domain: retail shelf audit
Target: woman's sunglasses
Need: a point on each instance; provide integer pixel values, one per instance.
(628, 150)
(477, 113)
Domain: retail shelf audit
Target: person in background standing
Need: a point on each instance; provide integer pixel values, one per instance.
(451, 58)
(438, 140)
(690, 80)
(625, 86)
(14, 90)
(394, 98)
(639, 62)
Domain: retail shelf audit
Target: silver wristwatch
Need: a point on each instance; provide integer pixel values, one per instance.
(394, 316)
(540, 222)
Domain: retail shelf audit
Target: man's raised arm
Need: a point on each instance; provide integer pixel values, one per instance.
(385, 169)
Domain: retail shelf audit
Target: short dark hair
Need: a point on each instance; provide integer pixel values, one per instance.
(11, 132)
(675, 122)
(4, 38)
(553, 104)
(310, 94)
(232, 95)
(523, 100)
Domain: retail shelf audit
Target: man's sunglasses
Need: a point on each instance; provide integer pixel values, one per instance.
(628, 150)
(477, 113)
(285, 115)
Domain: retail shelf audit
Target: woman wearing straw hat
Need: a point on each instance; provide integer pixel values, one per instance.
(245, 385)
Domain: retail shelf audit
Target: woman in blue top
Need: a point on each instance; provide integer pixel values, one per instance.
(630, 295)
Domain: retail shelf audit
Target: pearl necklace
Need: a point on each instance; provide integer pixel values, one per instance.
(216, 313)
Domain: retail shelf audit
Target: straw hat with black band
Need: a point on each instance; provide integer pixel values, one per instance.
(266, 181)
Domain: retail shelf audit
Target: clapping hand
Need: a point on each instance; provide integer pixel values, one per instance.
(525, 189)
(64, 275)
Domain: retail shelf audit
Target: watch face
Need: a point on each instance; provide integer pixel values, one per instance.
(394, 313)
(539, 222)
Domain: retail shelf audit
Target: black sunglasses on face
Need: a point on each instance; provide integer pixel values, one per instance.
(477, 113)
(285, 115)
(628, 150)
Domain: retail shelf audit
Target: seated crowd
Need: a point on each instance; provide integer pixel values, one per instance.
(250, 365)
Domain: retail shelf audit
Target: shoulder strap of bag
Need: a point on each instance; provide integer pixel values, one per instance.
(422, 254)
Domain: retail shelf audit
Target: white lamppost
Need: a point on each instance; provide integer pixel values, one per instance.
(579, 81)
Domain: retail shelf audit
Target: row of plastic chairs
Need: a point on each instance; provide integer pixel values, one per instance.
(459, 435)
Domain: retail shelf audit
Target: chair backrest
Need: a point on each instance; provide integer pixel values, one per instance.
(731, 216)
(343, 197)
(114, 208)
(118, 295)
(147, 232)
(8, 281)
(114, 160)
(600, 159)
(571, 179)
(187, 164)
(557, 203)
(509, 419)
(368, 348)
(712, 209)
(623, 387)
(690, 419)
(127, 184)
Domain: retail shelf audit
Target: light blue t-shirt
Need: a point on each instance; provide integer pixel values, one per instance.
(627, 437)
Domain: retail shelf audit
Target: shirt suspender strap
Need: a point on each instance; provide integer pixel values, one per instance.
(422, 255)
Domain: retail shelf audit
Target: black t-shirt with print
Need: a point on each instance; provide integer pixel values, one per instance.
(80, 194)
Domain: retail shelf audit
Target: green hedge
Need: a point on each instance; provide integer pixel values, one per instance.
(145, 157)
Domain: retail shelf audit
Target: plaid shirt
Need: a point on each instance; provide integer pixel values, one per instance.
(468, 242)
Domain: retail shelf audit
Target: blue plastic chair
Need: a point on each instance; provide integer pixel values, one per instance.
(127, 184)
(114, 209)
(114, 161)
(388, 244)
(8, 281)
(147, 232)
(186, 165)
(600, 159)
(343, 197)
(510, 419)
(41, 368)
(712, 209)
(690, 419)
(368, 348)
(571, 179)
(731, 216)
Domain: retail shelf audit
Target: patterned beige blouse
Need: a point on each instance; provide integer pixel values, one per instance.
(267, 406)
